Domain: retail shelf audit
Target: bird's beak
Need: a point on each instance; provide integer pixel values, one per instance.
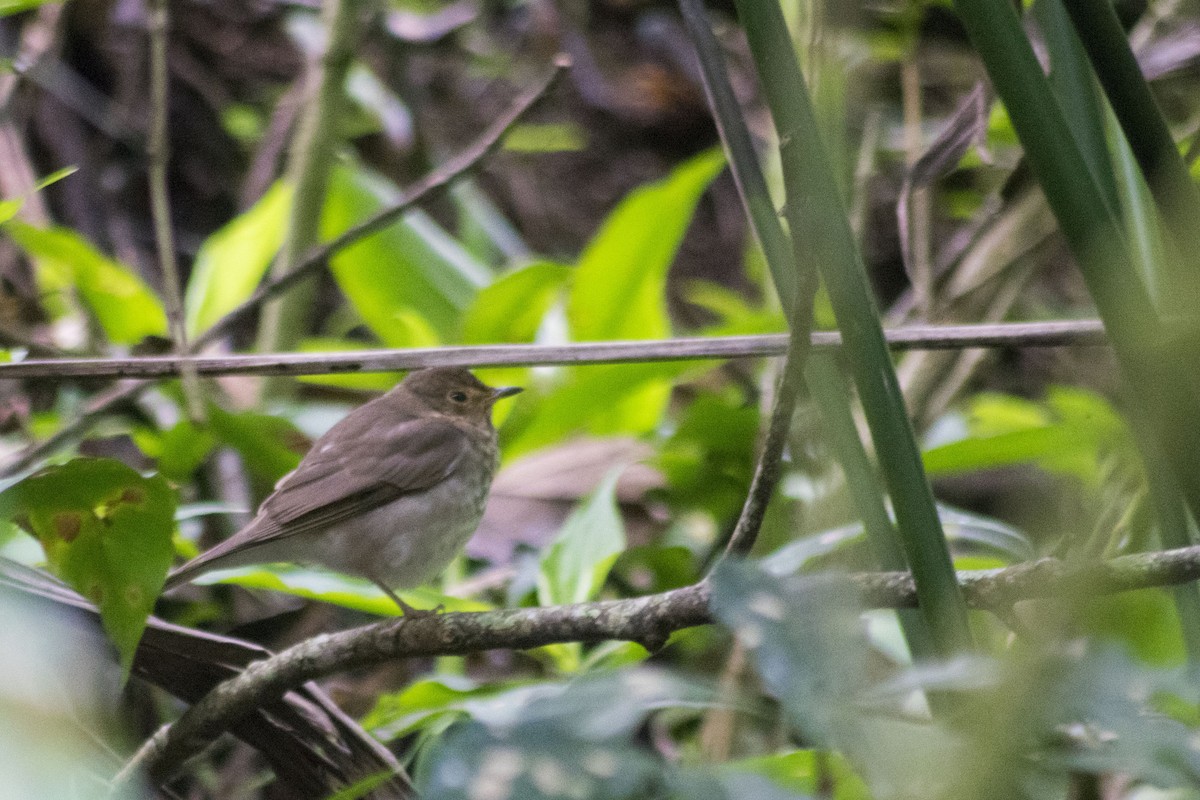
(506, 391)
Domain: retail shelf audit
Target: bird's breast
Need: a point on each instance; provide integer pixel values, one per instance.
(408, 542)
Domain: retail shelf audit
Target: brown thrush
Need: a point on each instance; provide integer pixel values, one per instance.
(392, 492)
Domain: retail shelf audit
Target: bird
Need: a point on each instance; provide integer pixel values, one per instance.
(390, 493)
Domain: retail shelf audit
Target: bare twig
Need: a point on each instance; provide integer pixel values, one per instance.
(649, 620)
(158, 155)
(939, 337)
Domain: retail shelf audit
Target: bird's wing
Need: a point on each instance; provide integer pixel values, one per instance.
(367, 467)
(377, 466)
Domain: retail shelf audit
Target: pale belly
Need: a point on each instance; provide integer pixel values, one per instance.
(408, 542)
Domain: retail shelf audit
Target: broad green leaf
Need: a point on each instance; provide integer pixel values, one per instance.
(806, 772)
(1145, 621)
(1066, 434)
(10, 7)
(121, 302)
(107, 531)
(600, 400)
(340, 590)
(232, 261)
(709, 458)
(574, 740)
(575, 566)
(513, 307)
(179, 450)
(619, 287)
(401, 713)
(554, 137)
(270, 447)
(412, 266)
(9, 208)
(738, 317)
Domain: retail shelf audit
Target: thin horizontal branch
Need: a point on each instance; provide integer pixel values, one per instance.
(941, 337)
(648, 620)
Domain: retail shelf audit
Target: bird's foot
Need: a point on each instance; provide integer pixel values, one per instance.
(407, 611)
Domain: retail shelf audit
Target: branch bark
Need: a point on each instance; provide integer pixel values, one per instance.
(648, 620)
(931, 337)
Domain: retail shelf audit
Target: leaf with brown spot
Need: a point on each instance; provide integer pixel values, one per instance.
(107, 531)
(67, 525)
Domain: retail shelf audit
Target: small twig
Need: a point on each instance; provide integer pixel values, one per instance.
(767, 471)
(641, 619)
(158, 155)
(696, 348)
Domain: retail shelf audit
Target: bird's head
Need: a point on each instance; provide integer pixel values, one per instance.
(455, 392)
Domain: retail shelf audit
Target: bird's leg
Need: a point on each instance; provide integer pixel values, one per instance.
(405, 609)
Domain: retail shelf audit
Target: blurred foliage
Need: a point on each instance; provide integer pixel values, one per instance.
(605, 215)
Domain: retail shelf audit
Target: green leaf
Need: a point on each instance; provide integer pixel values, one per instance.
(106, 530)
(574, 568)
(337, 589)
(179, 449)
(1067, 434)
(600, 400)
(513, 307)
(401, 713)
(121, 302)
(553, 137)
(1145, 621)
(619, 288)
(806, 772)
(270, 447)
(9, 208)
(412, 266)
(232, 261)
(10, 7)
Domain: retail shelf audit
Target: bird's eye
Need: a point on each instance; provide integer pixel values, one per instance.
(458, 397)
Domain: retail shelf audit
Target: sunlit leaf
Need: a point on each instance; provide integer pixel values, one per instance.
(601, 400)
(120, 301)
(107, 531)
(513, 307)
(574, 567)
(361, 381)
(400, 713)
(179, 449)
(358, 594)
(412, 266)
(619, 286)
(270, 447)
(1067, 434)
(547, 138)
(232, 261)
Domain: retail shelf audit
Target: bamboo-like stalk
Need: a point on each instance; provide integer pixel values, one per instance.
(819, 370)
(1156, 362)
(284, 321)
(821, 233)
